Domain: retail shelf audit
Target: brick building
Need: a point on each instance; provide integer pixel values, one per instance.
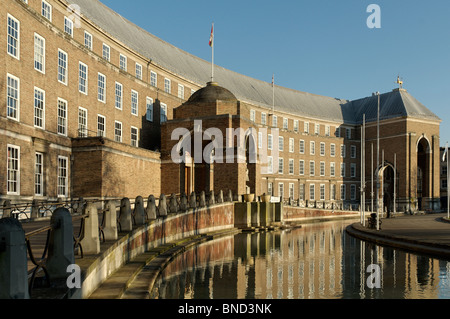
(91, 102)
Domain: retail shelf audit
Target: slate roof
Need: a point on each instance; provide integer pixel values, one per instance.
(243, 87)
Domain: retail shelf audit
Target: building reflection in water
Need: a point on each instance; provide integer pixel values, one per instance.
(313, 262)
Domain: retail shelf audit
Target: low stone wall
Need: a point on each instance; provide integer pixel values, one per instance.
(153, 234)
(295, 214)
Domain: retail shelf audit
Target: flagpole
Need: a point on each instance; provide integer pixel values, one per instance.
(448, 175)
(212, 52)
(273, 93)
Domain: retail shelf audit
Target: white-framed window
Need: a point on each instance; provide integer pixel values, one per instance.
(39, 108)
(281, 190)
(285, 123)
(106, 52)
(353, 151)
(122, 62)
(348, 133)
(252, 115)
(163, 113)
(82, 122)
(352, 192)
(101, 87)
(306, 127)
(343, 151)
(39, 53)
(312, 168)
(68, 26)
(117, 131)
(332, 169)
(281, 143)
(312, 148)
(322, 168)
(317, 129)
(352, 170)
(167, 85)
(337, 133)
(270, 141)
(13, 97)
(301, 147)
(269, 164)
(263, 118)
(301, 170)
(62, 66)
(62, 117)
(270, 189)
(87, 40)
(62, 176)
(322, 149)
(332, 150)
(46, 10)
(13, 170)
(327, 130)
(312, 191)
(138, 71)
(13, 47)
(343, 191)
(101, 125)
(274, 121)
(291, 145)
(322, 191)
(295, 125)
(82, 78)
(280, 165)
(153, 78)
(342, 169)
(39, 174)
(301, 192)
(134, 136)
(291, 166)
(149, 114)
(180, 91)
(332, 192)
(118, 95)
(134, 102)
(291, 190)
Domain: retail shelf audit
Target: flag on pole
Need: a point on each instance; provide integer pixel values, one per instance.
(445, 153)
(211, 38)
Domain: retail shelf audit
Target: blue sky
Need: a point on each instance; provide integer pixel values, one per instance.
(322, 46)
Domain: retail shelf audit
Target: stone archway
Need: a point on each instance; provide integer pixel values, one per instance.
(388, 186)
(250, 162)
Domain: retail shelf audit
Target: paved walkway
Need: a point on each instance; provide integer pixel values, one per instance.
(425, 234)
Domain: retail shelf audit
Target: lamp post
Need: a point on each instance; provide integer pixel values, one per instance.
(378, 162)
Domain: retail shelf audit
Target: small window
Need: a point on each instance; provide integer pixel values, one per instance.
(167, 85)
(82, 122)
(13, 170)
(87, 40)
(134, 102)
(134, 136)
(312, 168)
(39, 174)
(62, 117)
(301, 170)
(153, 79)
(139, 71)
(39, 53)
(39, 108)
(149, 114)
(68, 26)
(13, 36)
(13, 101)
(285, 123)
(123, 62)
(263, 118)
(280, 166)
(46, 10)
(83, 78)
(312, 192)
(118, 96)
(180, 91)
(101, 125)
(106, 52)
(62, 67)
(118, 131)
(62, 176)
(101, 88)
(163, 113)
(252, 115)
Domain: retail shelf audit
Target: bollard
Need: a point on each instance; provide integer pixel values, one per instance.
(13, 260)
(220, 197)
(151, 208)
(110, 230)
(139, 211)
(184, 206)
(202, 202)
(34, 209)
(162, 208)
(125, 221)
(60, 247)
(173, 204)
(211, 198)
(91, 240)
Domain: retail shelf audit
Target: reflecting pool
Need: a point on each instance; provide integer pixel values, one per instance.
(316, 261)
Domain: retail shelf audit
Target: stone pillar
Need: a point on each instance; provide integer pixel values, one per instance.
(125, 221)
(202, 199)
(162, 207)
(91, 240)
(184, 205)
(151, 208)
(193, 200)
(139, 212)
(110, 229)
(34, 209)
(6, 209)
(242, 215)
(255, 214)
(13, 260)
(173, 204)
(230, 196)
(60, 247)
(220, 197)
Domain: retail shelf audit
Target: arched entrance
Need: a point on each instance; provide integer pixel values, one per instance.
(250, 161)
(423, 172)
(388, 185)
